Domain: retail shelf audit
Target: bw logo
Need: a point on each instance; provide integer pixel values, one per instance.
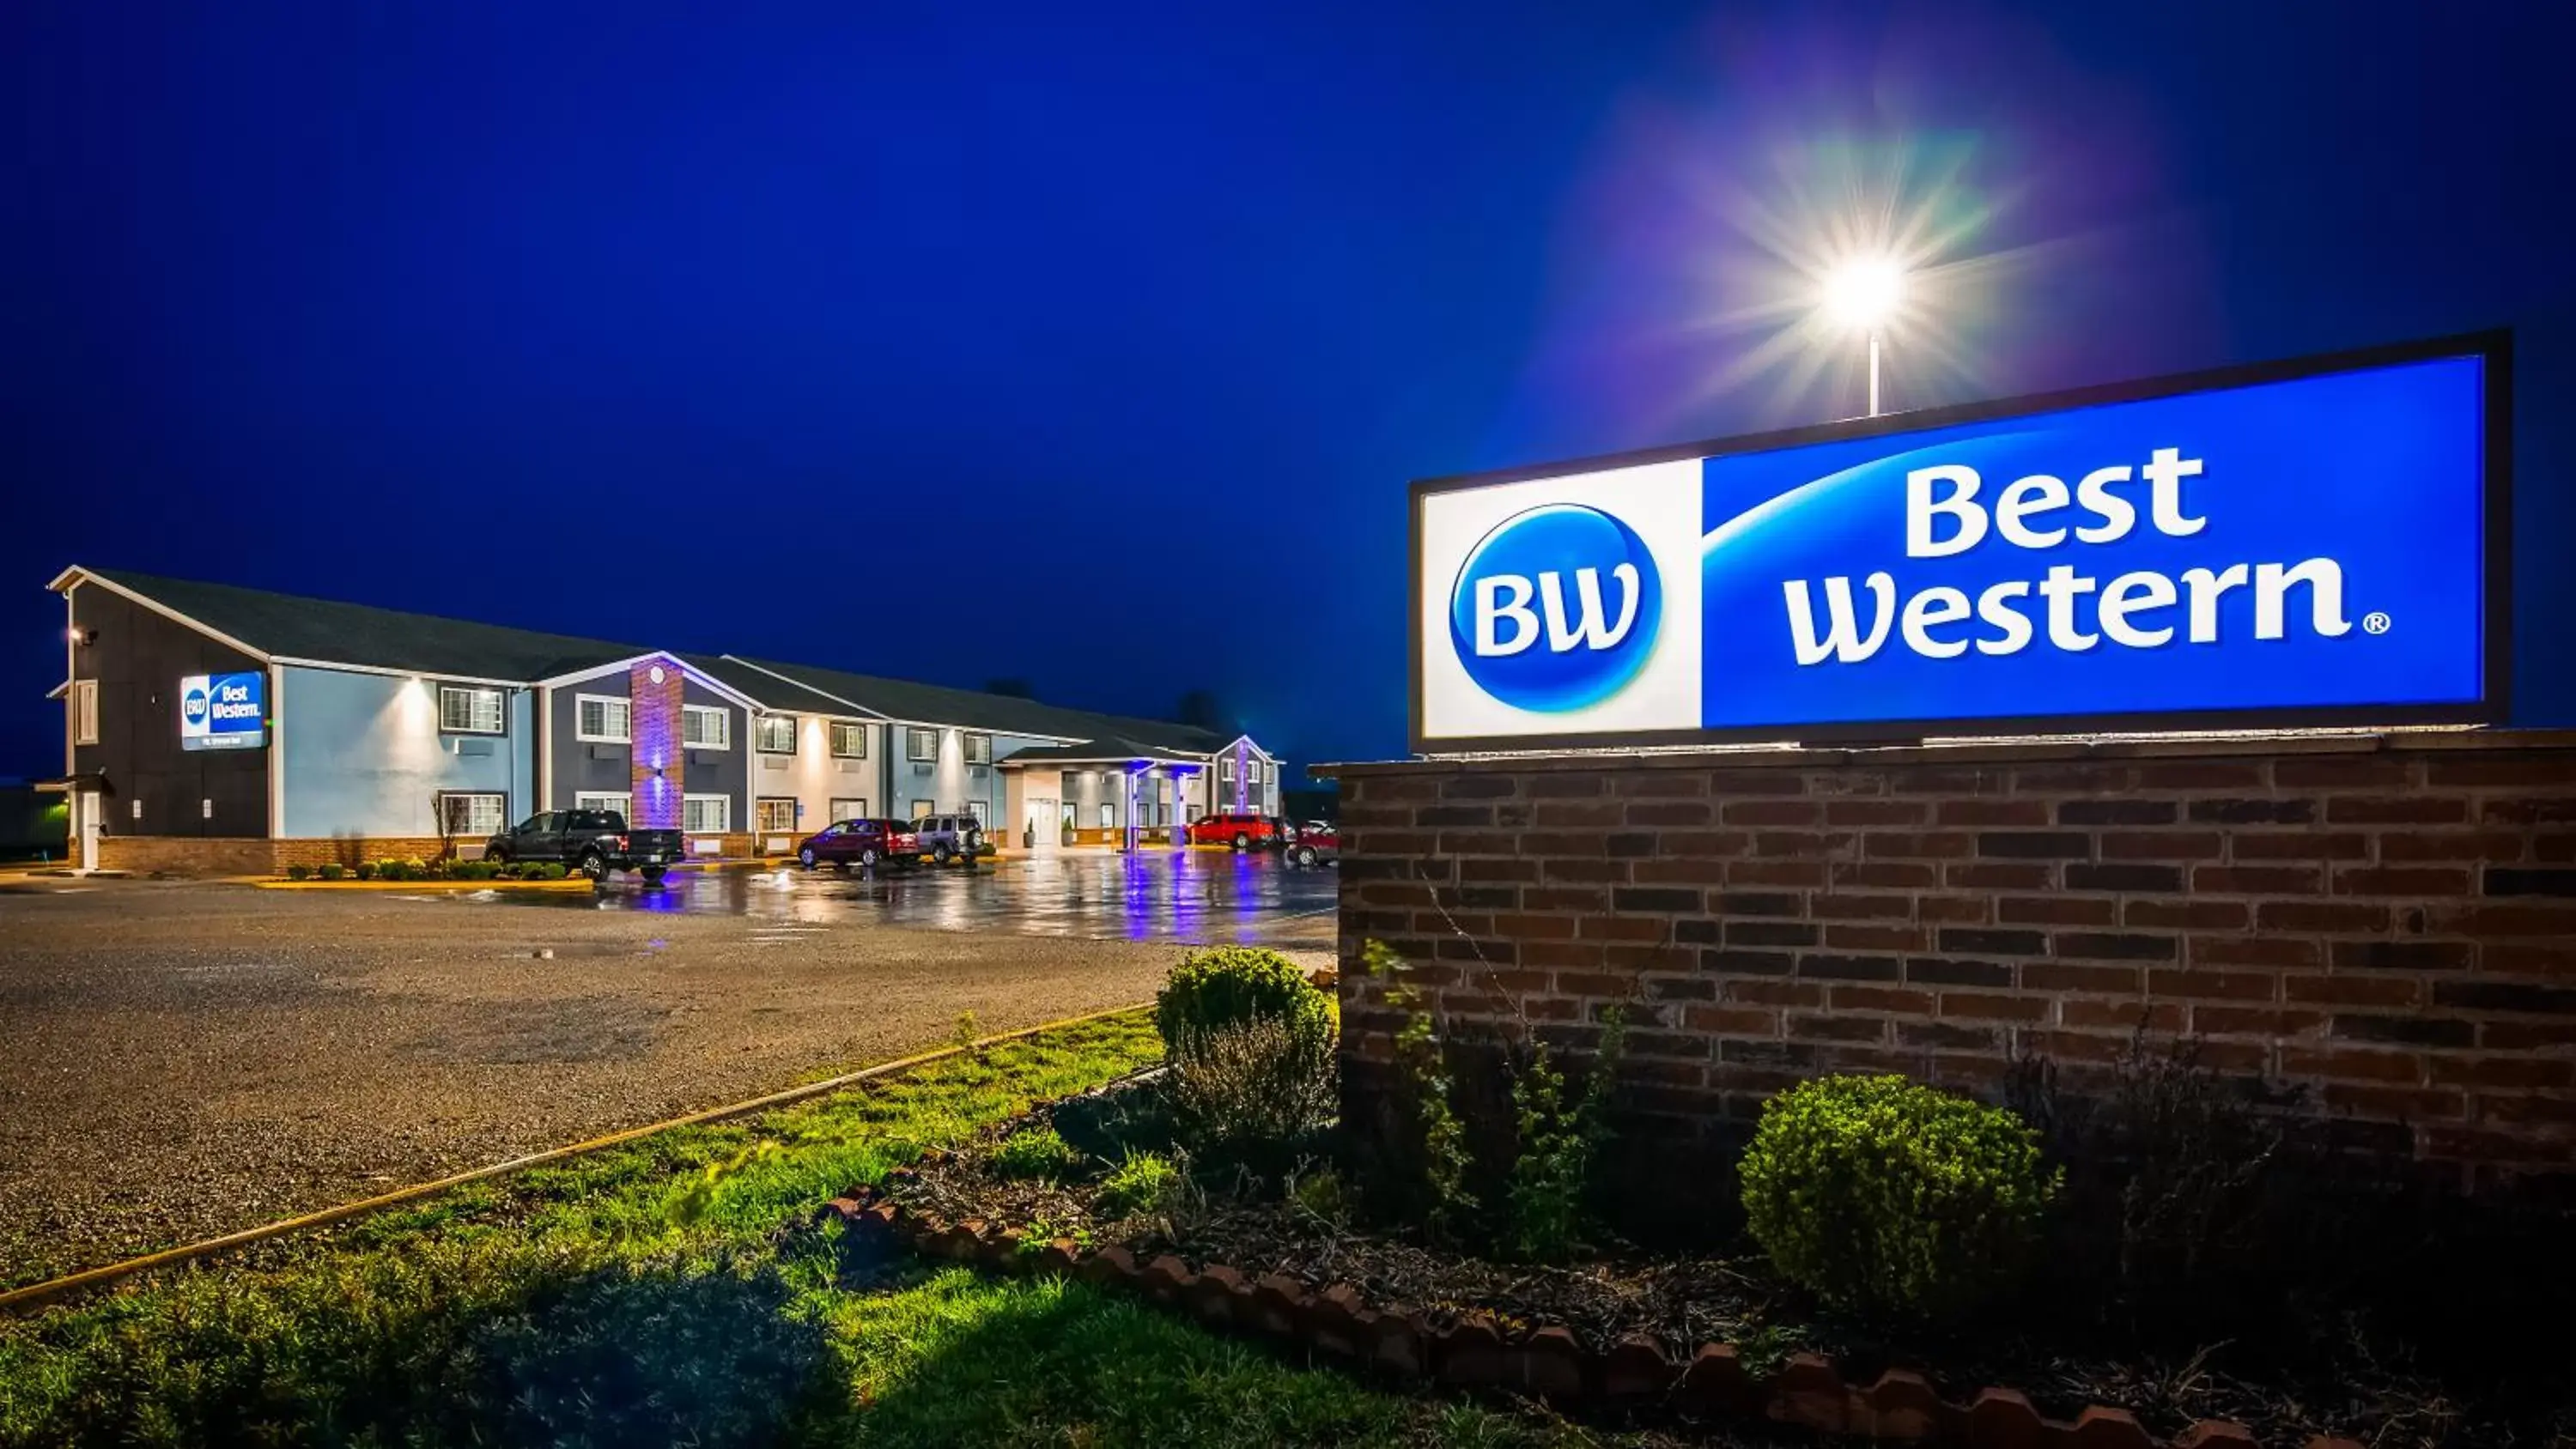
(1556, 608)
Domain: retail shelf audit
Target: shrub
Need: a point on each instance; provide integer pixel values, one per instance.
(1251, 1091)
(1883, 1195)
(366, 870)
(1558, 1140)
(472, 870)
(1426, 1159)
(1322, 1195)
(1037, 1152)
(299, 872)
(331, 870)
(544, 870)
(1144, 1183)
(1227, 985)
(392, 870)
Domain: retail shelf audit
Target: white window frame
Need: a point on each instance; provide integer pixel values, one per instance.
(912, 737)
(724, 729)
(924, 809)
(625, 708)
(979, 749)
(1225, 770)
(474, 693)
(1252, 772)
(470, 830)
(760, 728)
(975, 808)
(760, 822)
(624, 805)
(1108, 814)
(724, 813)
(85, 712)
(849, 730)
(841, 809)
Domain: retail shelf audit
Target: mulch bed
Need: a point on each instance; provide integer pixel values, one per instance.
(1684, 1302)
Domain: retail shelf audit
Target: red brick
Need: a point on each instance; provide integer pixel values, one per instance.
(1881, 998)
(1987, 814)
(1733, 1020)
(2401, 881)
(1689, 870)
(2399, 810)
(1755, 991)
(1913, 845)
(1561, 814)
(2225, 775)
(2343, 772)
(1872, 936)
(1949, 910)
(1998, 876)
(1792, 873)
(1877, 812)
(2263, 847)
(2259, 880)
(2065, 976)
(2402, 1103)
(2251, 951)
(2216, 985)
(2349, 990)
(2100, 1014)
(1669, 812)
(2186, 915)
(1903, 875)
(2255, 1020)
(2485, 845)
(1536, 928)
(1801, 844)
(2531, 1073)
(1828, 906)
(2538, 771)
(2160, 845)
(1677, 782)
(1792, 813)
(2057, 910)
(2344, 916)
(2351, 1064)
(1985, 1006)
(2523, 1036)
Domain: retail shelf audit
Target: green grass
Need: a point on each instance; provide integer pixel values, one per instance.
(629, 1297)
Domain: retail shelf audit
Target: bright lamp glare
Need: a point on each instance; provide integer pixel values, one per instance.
(1865, 292)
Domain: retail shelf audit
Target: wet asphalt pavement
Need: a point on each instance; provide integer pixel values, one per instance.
(180, 1060)
(1201, 897)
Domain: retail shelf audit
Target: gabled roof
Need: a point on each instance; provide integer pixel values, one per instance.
(772, 691)
(1110, 750)
(288, 628)
(902, 699)
(325, 631)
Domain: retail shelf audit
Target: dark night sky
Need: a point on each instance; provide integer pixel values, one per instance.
(492, 315)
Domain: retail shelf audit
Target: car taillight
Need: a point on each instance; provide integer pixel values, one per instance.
(621, 841)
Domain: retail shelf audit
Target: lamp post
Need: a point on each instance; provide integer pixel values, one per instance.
(1863, 294)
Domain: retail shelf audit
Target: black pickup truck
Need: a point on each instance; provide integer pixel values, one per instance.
(593, 842)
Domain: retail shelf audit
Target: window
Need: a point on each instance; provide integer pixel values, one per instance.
(706, 728)
(599, 718)
(706, 814)
(617, 805)
(975, 809)
(1108, 815)
(921, 744)
(922, 809)
(770, 814)
(468, 711)
(775, 734)
(979, 749)
(849, 810)
(85, 712)
(1252, 772)
(849, 741)
(1225, 769)
(471, 817)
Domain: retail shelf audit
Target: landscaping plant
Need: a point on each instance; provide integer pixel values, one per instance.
(1228, 985)
(1145, 1183)
(1035, 1153)
(1433, 1158)
(1883, 1195)
(331, 871)
(1558, 1141)
(1250, 1091)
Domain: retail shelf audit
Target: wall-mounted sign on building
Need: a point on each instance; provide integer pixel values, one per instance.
(223, 711)
(2311, 542)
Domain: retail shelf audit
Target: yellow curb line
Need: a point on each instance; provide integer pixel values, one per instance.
(35, 1293)
(568, 883)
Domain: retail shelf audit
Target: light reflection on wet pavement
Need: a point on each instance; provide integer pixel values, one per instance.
(1196, 896)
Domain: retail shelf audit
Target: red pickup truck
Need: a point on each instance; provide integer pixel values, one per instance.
(1243, 832)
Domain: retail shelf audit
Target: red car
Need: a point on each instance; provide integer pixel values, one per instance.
(862, 843)
(1243, 832)
(1317, 842)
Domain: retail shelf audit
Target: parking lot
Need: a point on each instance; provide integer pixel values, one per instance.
(178, 1060)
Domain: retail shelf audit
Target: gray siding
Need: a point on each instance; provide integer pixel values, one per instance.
(138, 659)
(580, 766)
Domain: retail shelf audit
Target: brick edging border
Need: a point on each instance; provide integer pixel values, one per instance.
(1550, 1363)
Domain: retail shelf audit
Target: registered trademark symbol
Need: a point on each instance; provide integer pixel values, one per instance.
(2374, 623)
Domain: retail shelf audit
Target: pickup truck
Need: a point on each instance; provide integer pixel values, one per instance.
(593, 842)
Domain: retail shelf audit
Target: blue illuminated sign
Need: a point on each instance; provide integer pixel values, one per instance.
(2313, 542)
(223, 711)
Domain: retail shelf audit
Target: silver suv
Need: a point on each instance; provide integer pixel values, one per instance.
(946, 838)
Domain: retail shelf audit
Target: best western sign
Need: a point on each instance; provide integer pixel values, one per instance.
(2318, 542)
(223, 712)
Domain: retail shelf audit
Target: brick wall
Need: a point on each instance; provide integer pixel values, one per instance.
(2387, 921)
(210, 856)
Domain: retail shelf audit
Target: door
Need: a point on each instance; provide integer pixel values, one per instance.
(86, 807)
(1043, 826)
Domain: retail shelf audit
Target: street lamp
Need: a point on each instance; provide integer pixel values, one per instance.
(1863, 293)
